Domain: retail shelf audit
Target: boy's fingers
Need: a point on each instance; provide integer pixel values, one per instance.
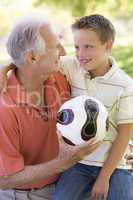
(3, 86)
(129, 156)
(4, 89)
(129, 162)
(12, 66)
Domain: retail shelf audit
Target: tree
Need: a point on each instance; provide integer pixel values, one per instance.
(81, 7)
(77, 7)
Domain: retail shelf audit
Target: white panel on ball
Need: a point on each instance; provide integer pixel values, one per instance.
(82, 118)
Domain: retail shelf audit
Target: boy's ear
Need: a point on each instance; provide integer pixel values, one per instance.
(109, 45)
(31, 57)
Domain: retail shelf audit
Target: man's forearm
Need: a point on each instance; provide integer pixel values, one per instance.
(68, 156)
(30, 174)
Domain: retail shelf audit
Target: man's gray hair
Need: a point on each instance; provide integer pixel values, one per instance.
(25, 37)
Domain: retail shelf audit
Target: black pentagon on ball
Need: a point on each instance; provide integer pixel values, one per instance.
(65, 116)
(90, 127)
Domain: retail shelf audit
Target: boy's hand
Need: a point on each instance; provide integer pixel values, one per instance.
(129, 156)
(3, 76)
(100, 188)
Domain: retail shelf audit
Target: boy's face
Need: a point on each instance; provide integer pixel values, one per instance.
(91, 53)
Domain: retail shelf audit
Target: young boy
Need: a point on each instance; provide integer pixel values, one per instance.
(104, 174)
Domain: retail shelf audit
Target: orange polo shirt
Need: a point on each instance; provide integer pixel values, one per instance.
(26, 137)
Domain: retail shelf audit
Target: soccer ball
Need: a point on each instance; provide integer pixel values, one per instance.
(82, 118)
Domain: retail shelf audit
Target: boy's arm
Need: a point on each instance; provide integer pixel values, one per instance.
(68, 67)
(116, 152)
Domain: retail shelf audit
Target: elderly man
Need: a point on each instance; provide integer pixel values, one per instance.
(30, 155)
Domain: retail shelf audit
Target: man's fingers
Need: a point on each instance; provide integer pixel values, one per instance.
(58, 134)
(93, 141)
(86, 149)
(60, 138)
(90, 144)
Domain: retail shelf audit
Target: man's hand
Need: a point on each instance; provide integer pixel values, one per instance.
(70, 155)
(100, 188)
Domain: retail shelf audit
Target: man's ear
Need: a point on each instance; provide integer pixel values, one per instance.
(31, 57)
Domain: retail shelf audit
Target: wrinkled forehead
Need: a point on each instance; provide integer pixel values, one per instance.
(48, 34)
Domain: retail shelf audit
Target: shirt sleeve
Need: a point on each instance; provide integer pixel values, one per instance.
(125, 110)
(11, 160)
(68, 66)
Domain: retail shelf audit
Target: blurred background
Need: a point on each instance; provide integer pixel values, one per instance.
(62, 13)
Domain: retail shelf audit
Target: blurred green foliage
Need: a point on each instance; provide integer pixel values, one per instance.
(81, 7)
(124, 57)
(4, 23)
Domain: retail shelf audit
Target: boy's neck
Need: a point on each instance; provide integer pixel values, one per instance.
(101, 71)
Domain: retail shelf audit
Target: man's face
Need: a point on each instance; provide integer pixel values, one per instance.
(90, 51)
(48, 61)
